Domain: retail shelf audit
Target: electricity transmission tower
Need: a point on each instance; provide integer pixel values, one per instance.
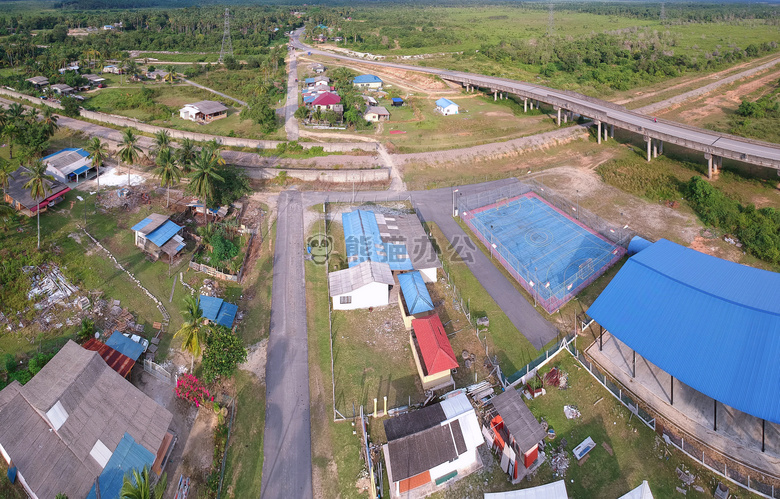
(227, 43)
(663, 11)
(550, 21)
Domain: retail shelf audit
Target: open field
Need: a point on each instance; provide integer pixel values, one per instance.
(153, 57)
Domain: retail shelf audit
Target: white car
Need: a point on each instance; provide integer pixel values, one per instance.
(138, 339)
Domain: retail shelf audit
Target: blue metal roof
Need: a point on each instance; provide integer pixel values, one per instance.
(309, 98)
(140, 225)
(82, 169)
(711, 323)
(164, 233)
(397, 99)
(81, 152)
(445, 102)
(416, 295)
(364, 242)
(127, 456)
(309, 80)
(125, 345)
(367, 79)
(218, 310)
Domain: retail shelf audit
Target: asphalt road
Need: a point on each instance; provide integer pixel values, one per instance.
(287, 447)
(737, 145)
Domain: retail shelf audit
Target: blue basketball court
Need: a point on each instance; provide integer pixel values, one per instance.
(551, 254)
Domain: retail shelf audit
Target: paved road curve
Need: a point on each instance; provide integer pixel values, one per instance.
(750, 151)
(287, 446)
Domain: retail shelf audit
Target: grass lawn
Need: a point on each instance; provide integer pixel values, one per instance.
(244, 458)
(7, 489)
(181, 57)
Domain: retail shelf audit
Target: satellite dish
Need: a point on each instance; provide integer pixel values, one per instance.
(97, 335)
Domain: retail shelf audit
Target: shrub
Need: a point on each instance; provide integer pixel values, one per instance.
(191, 389)
(224, 351)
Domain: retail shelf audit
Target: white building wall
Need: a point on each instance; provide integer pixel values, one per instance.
(187, 113)
(374, 294)
(451, 109)
(428, 275)
(60, 175)
(464, 461)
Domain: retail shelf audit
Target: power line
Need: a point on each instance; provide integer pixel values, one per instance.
(550, 21)
(227, 43)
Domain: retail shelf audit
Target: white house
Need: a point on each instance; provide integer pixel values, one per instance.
(429, 448)
(62, 89)
(69, 165)
(376, 113)
(446, 107)
(362, 286)
(205, 110)
(371, 82)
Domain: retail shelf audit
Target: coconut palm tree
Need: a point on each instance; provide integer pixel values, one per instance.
(50, 121)
(38, 185)
(162, 140)
(167, 171)
(5, 174)
(191, 331)
(129, 151)
(98, 152)
(137, 485)
(203, 175)
(186, 154)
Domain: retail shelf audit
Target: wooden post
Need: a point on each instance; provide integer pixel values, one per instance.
(385, 413)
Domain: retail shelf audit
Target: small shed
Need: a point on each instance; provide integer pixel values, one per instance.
(516, 433)
(218, 310)
(361, 286)
(69, 165)
(641, 492)
(376, 113)
(94, 79)
(38, 81)
(62, 89)
(397, 101)
(157, 234)
(432, 352)
(371, 82)
(446, 107)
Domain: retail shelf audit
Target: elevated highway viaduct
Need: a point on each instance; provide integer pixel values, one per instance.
(605, 115)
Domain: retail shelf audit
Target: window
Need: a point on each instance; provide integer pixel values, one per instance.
(345, 300)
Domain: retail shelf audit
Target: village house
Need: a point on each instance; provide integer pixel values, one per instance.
(113, 69)
(432, 352)
(62, 89)
(77, 422)
(157, 74)
(376, 113)
(363, 286)
(94, 79)
(203, 111)
(38, 81)
(370, 82)
(429, 448)
(326, 101)
(446, 107)
(157, 234)
(19, 198)
(69, 165)
(218, 311)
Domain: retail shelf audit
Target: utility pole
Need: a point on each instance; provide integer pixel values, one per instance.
(227, 43)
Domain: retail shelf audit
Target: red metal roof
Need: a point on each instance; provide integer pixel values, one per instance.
(326, 99)
(115, 360)
(45, 202)
(434, 345)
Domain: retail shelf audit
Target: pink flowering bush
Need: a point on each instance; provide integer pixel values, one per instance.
(191, 389)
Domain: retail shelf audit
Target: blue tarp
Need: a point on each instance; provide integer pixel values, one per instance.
(364, 242)
(217, 310)
(416, 295)
(367, 79)
(127, 456)
(125, 345)
(164, 233)
(711, 323)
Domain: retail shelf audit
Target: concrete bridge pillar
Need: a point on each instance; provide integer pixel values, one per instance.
(566, 116)
(660, 147)
(655, 148)
(605, 132)
(612, 132)
(525, 105)
(648, 140)
(598, 131)
(708, 157)
(495, 95)
(558, 121)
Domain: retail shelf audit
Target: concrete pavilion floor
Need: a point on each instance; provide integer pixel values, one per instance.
(738, 434)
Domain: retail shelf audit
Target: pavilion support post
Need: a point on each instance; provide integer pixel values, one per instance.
(671, 392)
(633, 371)
(715, 414)
(601, 337)
(763, 435)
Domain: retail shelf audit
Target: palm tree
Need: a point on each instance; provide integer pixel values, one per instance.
(138, 485)
(129, 151)
(5, 174)
(191, 330)
(203, 175)
(167, 171)
(10, 131)
(162, 141)
(98, 152)
(50, 121)
(38, 186)
(186, 154)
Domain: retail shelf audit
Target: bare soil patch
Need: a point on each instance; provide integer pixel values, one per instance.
(717, 248)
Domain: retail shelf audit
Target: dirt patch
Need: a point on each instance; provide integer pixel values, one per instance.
(255, 360)
(717, 248)
(498, 113)
(199, 448)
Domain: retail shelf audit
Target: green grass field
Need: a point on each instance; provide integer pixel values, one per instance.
(180, 57)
